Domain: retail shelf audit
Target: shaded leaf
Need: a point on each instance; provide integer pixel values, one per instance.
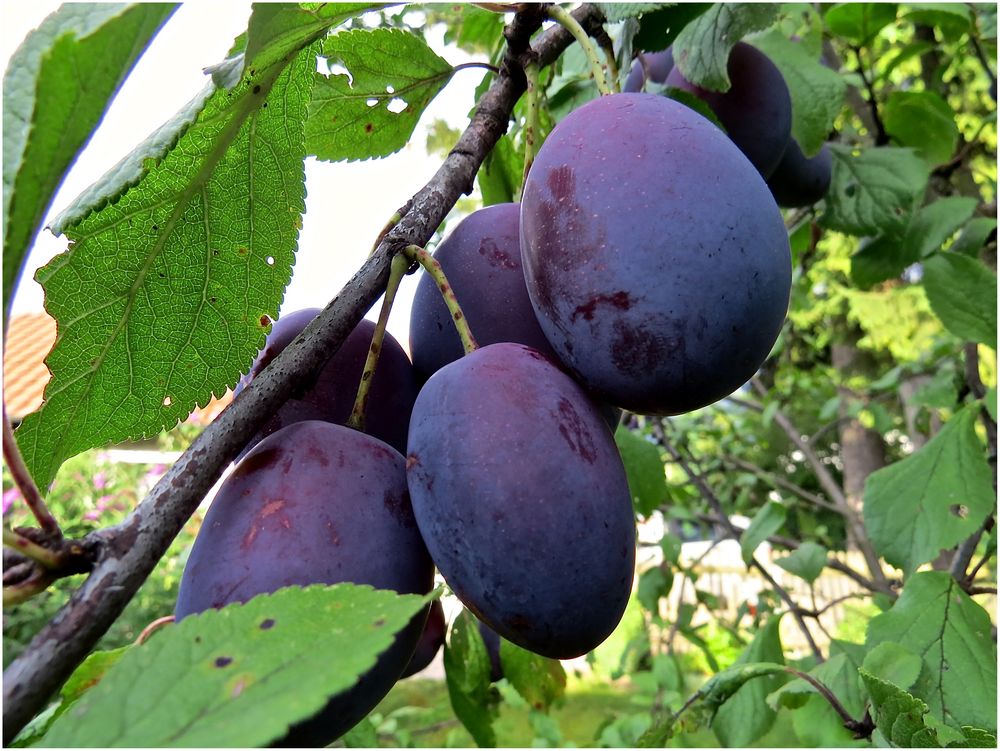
(467, 675)
(644, 470)
(807, 561)
(197, 682)
(859, 22)
(615, 12)
(658, 29)
(923, 121)
(963, 294)
(934, 618)
(932, 499)
(765, 523)
(894, 663)
(539, 680)
(393, 76)
(975, 234)
(57, 87)
(499, 175)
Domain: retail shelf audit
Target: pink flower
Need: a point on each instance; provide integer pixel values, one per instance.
(100, 481)
(9, 496)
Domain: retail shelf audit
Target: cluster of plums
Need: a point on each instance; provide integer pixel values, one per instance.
(646, 268)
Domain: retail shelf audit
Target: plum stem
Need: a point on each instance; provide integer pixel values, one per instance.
(396, 272)
(564, 19)
(531, 127)
(43, 556)
(25, 483)
(433, 268)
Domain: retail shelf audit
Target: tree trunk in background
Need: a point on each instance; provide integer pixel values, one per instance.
(907, 390)
(862, 451)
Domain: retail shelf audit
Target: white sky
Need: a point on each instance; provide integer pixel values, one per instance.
(346, 204)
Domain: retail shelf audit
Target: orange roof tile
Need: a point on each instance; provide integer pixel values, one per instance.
(29, 338)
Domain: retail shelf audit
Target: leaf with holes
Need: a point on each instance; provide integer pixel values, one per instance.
(701, 50)
(371, 111)
(58, 85)
(165, 295)
(932, 499)
(934, 618)
(241, 675)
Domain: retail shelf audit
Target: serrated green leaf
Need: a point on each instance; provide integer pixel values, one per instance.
(643, 469)
(658, 29)
(894, 663)
(701, 50)
(887, 256)
(744, 716)
(975, 738)
(859, 22)
(467, 674)
(932, 499)
(765, 523)
(975, 234)
(615, 12)
(817, 92)
(161, 299)
(934, 618)
(198, 682)
(393, 76)
(57, 87)
(279, 29)
(873, 190)
(923, 121)
(898, 715)
(539, 680)
(963, 294)
(807, 561)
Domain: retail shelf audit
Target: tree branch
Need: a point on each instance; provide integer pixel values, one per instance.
(780, 482)
(130, 550)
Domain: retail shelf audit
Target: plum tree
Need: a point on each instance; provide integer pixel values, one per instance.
(430, 641)
(521, 497)
(655, 65)
(655, 257)
(800, 180)
(756, 111)
(393, 390)
(294, 512)
(482, 259)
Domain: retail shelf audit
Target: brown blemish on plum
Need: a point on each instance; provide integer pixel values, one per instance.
(575, 433)
(270, 508)
(620, 300)
(400, 509)
(286, 466)
(258, 460)
(637, 351)
(495, 257)
(412, 461)
(317, 454)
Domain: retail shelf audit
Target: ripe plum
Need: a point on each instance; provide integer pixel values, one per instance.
(757, 109)
(657, 64)
(430, 641)
(521, 497)
(491, 639)
(799, 180)
(314, 503)
(482, 260)
(655, 257)
(331, 396)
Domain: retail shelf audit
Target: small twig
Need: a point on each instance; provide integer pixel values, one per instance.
(25, 483)
(397, 271)
(46, 558)
(849, 722)
(152, 628)
(882, 138)
(24, 590)
(983, 590)
(463, 66)
(982, 58)
(781, 482)
(433, 268)
(971, 576)
(816, 613)
(573, 26)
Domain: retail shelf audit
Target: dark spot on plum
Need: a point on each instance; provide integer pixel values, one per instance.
(636, 350)
(496, 257)
(286, 466)
(619, 300)
(575, 433)
(518, 622)
(318, 455)
(266, 624)
(221, 662)
(562, 183)
(400, 509)
(259, 460)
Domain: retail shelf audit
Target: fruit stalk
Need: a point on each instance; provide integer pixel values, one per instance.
(396, 272)
(531, 129)
(564, 19)
(433, 268)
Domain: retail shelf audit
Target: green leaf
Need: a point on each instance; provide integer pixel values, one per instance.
(990, 400)
(894, 663)
(817, 92)
(765, 523)
(900, 56)
(807, 561)
(949, 17)
(644, 470)
(658, 29)
(467, 674)
(654, 583)
(744, 716)
(362, 735)
(615, 12)
(57, 87)
(372, 112)
(479, 31)
(838, 673)
(886, 257)
(279, 29)
(873, 190)
(198, 682)
(963, 294)
(859, 22)
(934, 618)
(923, 121)
(500, 173)
(932, 499)
(539, 680)
(701, 50)
(975, 235)
(689, 100)
(150, 320)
